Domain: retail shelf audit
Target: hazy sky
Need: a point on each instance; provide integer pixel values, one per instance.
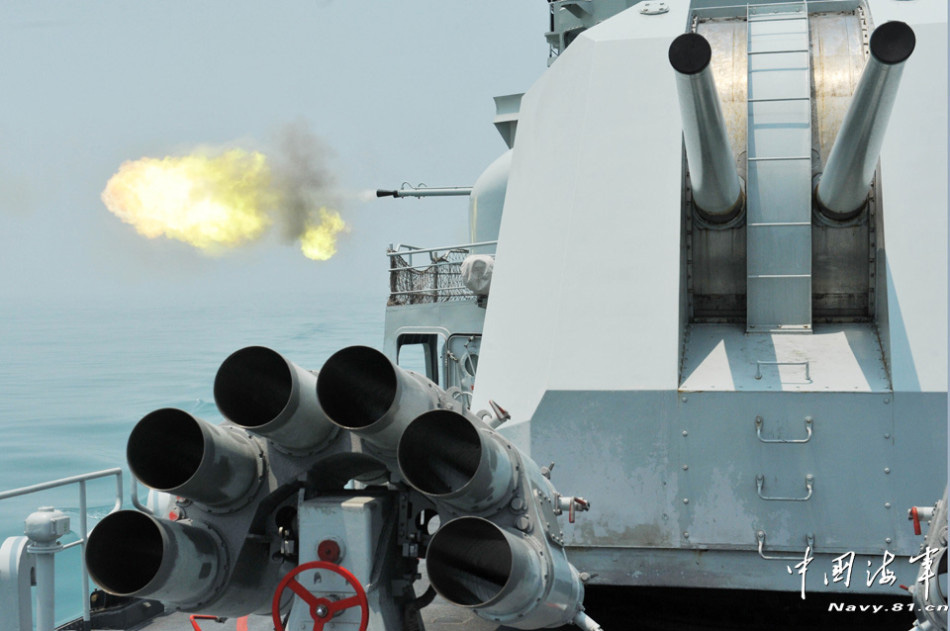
(397, 91)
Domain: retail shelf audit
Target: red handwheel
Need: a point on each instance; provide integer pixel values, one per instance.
(322, 610)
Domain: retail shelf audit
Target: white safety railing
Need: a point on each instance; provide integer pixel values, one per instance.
(83, 531)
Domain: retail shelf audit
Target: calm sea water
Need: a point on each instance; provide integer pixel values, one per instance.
(75, 380)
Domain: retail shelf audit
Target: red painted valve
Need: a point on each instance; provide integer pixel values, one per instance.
(914, 516)
(322, 610)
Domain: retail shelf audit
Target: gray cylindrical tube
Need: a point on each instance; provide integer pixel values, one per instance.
(172, 451)
(445, 456)
(362, 391)
(133, 554)
(843, 188)
(502, 575)
(261, 391)
(717, 192)
(473, 563)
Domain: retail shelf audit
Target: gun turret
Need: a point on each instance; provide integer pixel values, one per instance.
(717, 190)
(844, 185)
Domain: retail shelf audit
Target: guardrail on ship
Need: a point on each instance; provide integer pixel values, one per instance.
(436, 278)
(44, 597)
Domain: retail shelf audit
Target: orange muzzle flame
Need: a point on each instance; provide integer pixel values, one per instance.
(213, 202)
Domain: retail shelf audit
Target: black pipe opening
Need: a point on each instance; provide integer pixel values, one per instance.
(356, 386)
(469, 561)
(439, 452)
(253, 386)
(690, 53)
(165, 449)
(893, 42)
(124, 552)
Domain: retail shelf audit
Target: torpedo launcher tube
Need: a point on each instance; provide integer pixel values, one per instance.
(843, 188)
(717, 190)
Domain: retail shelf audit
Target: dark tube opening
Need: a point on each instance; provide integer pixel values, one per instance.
(356, 386)
(893, 42)
(253, 386)
(469, 561)
(439, 452)
(124, 552)
(165, 449)
(690, 53)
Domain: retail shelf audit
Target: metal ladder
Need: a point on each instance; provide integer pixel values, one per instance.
(778, 180)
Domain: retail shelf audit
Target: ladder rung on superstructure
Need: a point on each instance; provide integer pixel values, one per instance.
(778, 185)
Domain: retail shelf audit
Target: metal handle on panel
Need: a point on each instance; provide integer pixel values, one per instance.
(760, 537)
(759, 363)
(809, 485)
(808, 430)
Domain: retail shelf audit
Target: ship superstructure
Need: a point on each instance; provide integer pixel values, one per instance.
(737, 385)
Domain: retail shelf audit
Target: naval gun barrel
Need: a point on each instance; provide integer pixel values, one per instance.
(423, 191)
(844, 185)
(717, 190)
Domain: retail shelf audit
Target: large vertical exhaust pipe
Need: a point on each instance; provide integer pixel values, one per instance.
(172, 451)
(362, 391)
(717, 191)
(844, 185)
(261, 391)
(133, 554)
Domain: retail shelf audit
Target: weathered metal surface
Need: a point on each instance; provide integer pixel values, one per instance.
(838, 52)
(677, 471)
(836, 358)
(717, 271)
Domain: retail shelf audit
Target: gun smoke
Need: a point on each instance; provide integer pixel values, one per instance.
(220, 199)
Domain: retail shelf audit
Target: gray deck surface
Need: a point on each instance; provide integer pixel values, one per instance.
(439, 616)
(642, 609)
(671, 610)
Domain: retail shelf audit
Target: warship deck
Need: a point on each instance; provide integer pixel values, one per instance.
(647, 609)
